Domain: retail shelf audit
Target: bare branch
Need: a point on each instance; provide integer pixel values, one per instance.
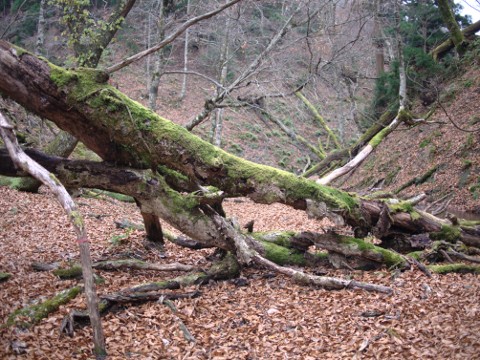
(169, 38)
(211, 104)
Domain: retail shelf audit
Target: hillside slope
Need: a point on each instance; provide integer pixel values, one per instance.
(451, 143)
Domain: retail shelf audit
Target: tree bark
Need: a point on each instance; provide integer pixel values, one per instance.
(448, 44)
(128, 135)
(159, 64)
(153, 228)
(41, 28)
(455, 33)
(183, 91)
(31, 167)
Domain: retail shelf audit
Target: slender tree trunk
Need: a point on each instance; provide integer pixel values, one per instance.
(378, 42)
(41, 28)
(217, 121)
(159, 60)
(185, 57)
(319, 119)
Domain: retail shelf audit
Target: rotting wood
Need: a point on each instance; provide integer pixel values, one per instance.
(75, 270)
(79, 97)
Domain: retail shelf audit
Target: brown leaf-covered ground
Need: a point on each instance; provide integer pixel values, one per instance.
(271, 318)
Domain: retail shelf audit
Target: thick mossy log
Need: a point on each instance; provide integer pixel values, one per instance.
(32, 314)
(349, 247)
(124, 132)
(454, 268)
(108, 122)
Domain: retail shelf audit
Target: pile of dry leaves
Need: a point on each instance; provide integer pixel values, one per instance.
(269, 317)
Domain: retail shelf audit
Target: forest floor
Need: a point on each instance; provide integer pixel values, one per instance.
(269, 318)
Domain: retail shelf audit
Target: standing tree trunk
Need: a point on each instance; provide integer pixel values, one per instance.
(217, 121)
(378, 42)
(41, 28)
(154, 82)
(185, 58)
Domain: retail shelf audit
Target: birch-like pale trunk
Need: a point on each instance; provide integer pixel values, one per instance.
(31, 167)
(185, 58)
(154, 82)
(217, 122)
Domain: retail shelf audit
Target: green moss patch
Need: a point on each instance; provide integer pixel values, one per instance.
(405, 206)
(371, 251)
(279, 238)
(455, 268)
(31, 315)
(11, 182)
(281, 255)
(73, 272)
(5, 276)
(447, 233)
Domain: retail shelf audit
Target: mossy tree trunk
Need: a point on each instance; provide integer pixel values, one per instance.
(449, 19)
(468, 32)
(167, 169)
(64, 143)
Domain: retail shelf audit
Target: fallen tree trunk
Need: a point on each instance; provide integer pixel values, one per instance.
(75, 270)
(35, 313)
(447, 45)
(341, 157)
(167, 169)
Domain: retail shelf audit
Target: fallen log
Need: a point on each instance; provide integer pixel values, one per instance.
(75, 270)
(455, 268)
(448, 44)
(32, 314)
